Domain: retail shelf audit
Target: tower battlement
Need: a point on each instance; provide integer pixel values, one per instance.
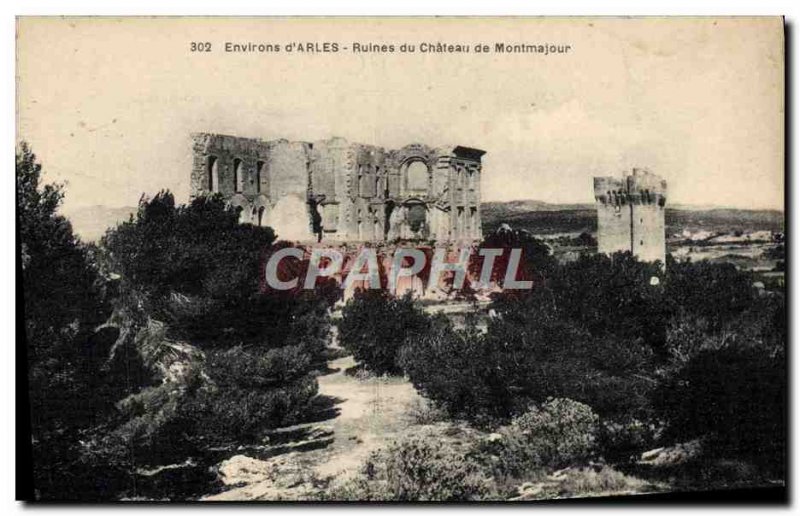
(641, 187)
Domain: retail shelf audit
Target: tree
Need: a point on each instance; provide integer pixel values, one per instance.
(729, 386)
(376, 324)
(525, 357)
(231, 360)
(614, 295)
(63, 301)
(717, 292)
(536, 262)
(201, 271)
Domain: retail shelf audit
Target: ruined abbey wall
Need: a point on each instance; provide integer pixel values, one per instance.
(343, 191)
(630, 214)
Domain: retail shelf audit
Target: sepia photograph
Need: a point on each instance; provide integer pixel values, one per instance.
(401, 259)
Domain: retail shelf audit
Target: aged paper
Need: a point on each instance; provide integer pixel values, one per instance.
(402, 259)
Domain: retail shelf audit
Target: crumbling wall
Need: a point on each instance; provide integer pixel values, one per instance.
(347, 191)
(226, 149)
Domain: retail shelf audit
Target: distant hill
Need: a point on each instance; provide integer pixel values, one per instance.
(533, 205)
(538, 217)
(91, 222)
(545, 218)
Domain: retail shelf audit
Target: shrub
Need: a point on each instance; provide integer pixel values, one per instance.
(234, 396)
(455, 370)
(201, 271)
(612, 296)
(250, 392)
(527, 356)
(735, 396)
(624, 440)
(424, 412)
(729, 386)
(416, 469)
(556, 434)
(716, 292)
(375, 325)
(605, 480)
(686, 336)
(151, 430)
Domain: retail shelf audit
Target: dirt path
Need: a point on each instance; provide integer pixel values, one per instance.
(369, 413)
(373, 412)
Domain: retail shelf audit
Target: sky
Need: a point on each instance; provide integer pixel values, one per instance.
(108, 104)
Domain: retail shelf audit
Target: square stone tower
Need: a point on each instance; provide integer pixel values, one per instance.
(630, 214)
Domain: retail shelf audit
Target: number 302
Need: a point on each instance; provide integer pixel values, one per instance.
(200, 46)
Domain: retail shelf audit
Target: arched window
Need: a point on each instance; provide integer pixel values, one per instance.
(213, 174)
(259, 168)
(238, 180)
(261, 216)
(417, 176)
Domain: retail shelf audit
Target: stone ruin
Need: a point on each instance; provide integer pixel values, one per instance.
(335, 190)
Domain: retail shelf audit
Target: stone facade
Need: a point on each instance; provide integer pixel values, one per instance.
(342, 191)
(630, 214)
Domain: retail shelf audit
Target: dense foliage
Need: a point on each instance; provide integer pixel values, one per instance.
(230, 398)
(64, 300)
(375, 325)
(417, 469)
(251, 392)
(159, 344)
(531, 352)
(202, 273)
(233, 361)
(730, 387)
(556, 434)
(660, 355)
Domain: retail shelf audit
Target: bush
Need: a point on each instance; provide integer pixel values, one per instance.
(416, 469)
(249, 393)
(734, 395)
(729, 387)
(605, 480)
(201, 271)
(375, 325)
(624, 440)
(527, 356)
(233, 397)
(612, 296)
(716, 292)
(424, 412)
(456, 371)
(556, 434)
